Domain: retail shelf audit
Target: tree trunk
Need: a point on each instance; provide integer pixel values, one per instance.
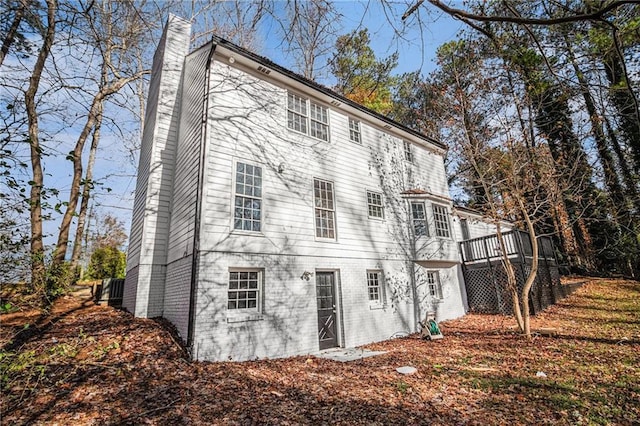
(74, 192)
(526, 289)
(86, 195)
(623, 98)
(628, 177)
(38, 271)
(512, 282)
(611, 178)
(13, 30)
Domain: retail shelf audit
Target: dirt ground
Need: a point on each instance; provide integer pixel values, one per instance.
(85, 364)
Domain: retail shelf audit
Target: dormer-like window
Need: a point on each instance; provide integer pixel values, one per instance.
(307, 117)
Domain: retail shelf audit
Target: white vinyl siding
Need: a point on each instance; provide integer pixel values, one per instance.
(324, 209)
(375, 208)
(441, 221)
(307, 117)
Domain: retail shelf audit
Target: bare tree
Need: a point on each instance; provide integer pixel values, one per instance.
(310, 30)
(235, 20)
(12, 31)
(585, 13)
(116, 29)
(38, 271)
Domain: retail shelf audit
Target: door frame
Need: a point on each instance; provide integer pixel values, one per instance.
(338, 302)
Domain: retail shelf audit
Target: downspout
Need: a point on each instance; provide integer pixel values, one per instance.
(198, 208)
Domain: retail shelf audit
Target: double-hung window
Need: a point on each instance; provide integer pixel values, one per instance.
(354, 131)
(408, 153)
(433, 285)
(324, 209)
(374, 205)
(441, 221)
(297, 113)
(245, 288)
(374, 287)
(307, 117)
(247, 212)
(419, 219)
(319, 127)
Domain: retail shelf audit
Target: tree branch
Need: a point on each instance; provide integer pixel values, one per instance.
(463, 14)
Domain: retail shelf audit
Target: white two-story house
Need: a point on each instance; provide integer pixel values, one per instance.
(274, 217)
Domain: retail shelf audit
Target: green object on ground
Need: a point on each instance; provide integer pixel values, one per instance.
(433, 328)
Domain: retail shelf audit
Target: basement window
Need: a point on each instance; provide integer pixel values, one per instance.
(434, 286)
(245, 290)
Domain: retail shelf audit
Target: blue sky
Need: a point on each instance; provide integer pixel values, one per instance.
(420, 36)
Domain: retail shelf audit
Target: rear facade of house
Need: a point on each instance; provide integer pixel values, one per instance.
(274, 217)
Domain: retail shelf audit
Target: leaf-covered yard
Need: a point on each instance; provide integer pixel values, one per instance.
(87, 364)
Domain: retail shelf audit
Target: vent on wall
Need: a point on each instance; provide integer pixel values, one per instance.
(335, 103)
(386, 126)
(264, 70)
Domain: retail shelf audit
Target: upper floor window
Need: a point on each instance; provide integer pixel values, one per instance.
(307, 117)
(408, 153)
(297, 113)
(324, 209)
(441, 220)
(433, 284)
(374, 286)
(319, 122)
(419, 219)
(374, 205)
(354, 131)
(245, 288)
(247, 214)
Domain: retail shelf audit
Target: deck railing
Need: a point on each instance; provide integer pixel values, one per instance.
(516, 243)
(485, 276)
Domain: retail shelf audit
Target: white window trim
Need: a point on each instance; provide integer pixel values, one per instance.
(407, 151)
(382, 300)
(438, 286)
(246, 314)
(426, 219)
(434, 206)
(308, 118)
(358, 131)
(335, 208)
(234, 172)
(381, 204)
